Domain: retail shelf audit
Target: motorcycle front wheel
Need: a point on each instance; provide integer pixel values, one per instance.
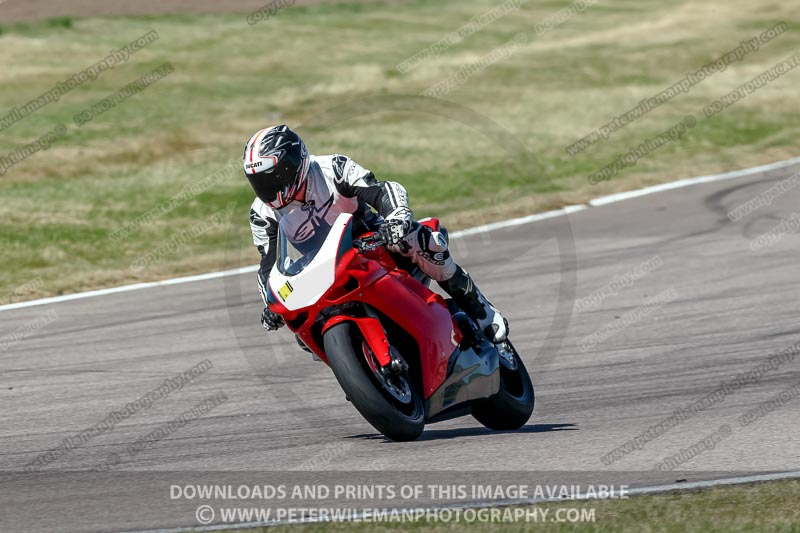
(392, 404)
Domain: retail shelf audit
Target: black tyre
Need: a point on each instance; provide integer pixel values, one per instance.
(392, 406)
(512, 406)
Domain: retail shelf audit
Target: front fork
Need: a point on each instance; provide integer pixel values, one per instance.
(375, 336)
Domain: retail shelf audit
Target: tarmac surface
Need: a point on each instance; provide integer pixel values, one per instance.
(624, 314)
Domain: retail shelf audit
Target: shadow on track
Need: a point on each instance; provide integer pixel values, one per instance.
(439, 434)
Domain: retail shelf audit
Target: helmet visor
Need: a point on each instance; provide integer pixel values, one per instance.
(266, 189)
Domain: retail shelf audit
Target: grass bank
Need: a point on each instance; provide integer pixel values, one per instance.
(536, 77)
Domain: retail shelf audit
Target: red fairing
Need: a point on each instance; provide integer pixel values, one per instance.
(425, 316)
(373, 278)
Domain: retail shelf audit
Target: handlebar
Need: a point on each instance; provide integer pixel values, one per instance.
(369, 243)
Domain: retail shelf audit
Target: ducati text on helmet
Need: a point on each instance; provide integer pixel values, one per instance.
(276, 163)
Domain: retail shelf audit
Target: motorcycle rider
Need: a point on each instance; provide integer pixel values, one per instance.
(311, 191)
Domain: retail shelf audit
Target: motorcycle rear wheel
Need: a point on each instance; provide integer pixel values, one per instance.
(512, 406)
(397, 420)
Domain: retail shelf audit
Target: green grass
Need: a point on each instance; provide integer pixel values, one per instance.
(58, 207)
(764, 507)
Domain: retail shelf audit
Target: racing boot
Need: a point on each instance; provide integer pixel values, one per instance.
(470, 299)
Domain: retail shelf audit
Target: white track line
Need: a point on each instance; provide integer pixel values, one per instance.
(637, 491)
(611, 198)
(603, 200)
(566, 210)
(254, 268)
(127, 288)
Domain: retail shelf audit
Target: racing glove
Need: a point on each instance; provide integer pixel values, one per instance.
(396, 226)
(270, 320)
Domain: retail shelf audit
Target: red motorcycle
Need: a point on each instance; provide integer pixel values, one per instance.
(402, 354)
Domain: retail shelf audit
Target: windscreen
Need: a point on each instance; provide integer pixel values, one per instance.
(298, 244)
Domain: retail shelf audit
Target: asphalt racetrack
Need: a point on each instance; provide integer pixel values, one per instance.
(698, 300)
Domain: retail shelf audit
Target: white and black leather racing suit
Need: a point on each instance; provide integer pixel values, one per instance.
(336, 184)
